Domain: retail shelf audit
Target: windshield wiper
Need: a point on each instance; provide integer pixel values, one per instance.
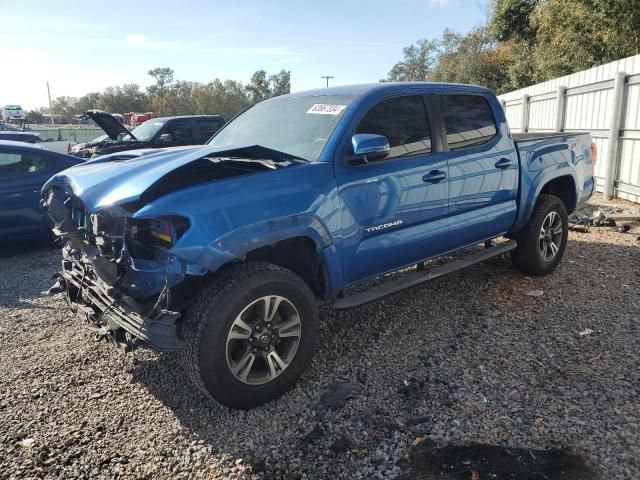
(258, 152)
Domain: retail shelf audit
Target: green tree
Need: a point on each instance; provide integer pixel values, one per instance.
(573, 35)
(511, 20)
(280, 83)
(89, 101)
(527, 41)
(64, 109)
(163, 77)
(125, 98)
(35, 116)
(417, 63)
(473, 59)
(178, 100)
(258, 87)
(221, 98)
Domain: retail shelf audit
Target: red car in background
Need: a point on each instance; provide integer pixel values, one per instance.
(134, 119)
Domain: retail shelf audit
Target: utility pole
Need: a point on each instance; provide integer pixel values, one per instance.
(327, 77)
(49, 95)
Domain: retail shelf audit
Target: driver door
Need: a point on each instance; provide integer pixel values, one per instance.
(394, 209)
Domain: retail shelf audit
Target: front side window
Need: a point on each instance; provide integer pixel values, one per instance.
(181, 132)
(147, 130)
(16, 163)
(403, 120)
(468, 120)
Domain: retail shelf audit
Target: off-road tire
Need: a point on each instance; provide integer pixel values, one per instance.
(527, 256)
(206, 325)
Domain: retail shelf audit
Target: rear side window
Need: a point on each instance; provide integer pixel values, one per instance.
(403, 120)
(207, 127)
(468, 120)
(181, 132)
(21, 163)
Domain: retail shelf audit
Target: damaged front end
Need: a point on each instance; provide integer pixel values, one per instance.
(132, 271)
(118, 270)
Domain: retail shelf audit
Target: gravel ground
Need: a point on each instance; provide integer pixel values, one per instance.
(467, 358)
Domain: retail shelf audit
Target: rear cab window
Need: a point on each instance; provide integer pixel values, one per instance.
(468, 120)
(403, 120)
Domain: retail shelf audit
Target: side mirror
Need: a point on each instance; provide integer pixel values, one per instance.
(166, 138)
(370, 145)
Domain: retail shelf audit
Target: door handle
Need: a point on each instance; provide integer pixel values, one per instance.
(503, 163)
(434, 176)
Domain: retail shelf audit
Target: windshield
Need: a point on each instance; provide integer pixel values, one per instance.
(298, 126)
(146, 131)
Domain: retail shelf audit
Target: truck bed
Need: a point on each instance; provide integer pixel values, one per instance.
(555, 154)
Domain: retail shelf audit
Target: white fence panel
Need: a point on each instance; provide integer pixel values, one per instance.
(542, 112)
(588, 101)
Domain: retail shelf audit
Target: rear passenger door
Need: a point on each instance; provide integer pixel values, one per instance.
(483, 169)
(393, 209)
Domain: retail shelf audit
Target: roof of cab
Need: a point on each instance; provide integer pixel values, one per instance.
(355, 90)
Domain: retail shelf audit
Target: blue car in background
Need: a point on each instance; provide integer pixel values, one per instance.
(24, 168)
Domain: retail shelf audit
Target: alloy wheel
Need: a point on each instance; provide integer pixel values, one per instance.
(263, 340)
(550, 237)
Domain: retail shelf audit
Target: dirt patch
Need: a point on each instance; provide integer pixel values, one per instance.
(485, 462)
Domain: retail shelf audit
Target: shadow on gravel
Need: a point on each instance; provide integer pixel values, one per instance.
(26, 246)
(10, 248)
(491, 293)
(480, 462)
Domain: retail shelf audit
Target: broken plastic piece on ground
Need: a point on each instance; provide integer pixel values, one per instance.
(338, 394)
(579, 228)
(588, 215)
(535, 293)
(585, 332)
(627, 217)
(426, 461)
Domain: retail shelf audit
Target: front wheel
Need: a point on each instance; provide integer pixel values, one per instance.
(250, 335)
(542, 242)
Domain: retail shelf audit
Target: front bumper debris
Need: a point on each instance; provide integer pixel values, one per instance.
(120, 314)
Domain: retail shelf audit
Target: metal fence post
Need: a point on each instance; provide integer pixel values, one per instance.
(525, 114)
(561, 108)
(614, 134)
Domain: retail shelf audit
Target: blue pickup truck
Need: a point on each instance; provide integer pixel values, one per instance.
(222, 251)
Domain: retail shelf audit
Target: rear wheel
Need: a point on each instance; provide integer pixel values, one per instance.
(542, 242)
(250, 335)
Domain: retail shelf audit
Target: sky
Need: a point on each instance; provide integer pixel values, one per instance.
(83, 46)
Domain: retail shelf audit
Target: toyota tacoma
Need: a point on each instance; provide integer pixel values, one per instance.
(222, 251)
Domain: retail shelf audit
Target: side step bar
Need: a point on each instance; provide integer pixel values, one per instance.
(420, 276)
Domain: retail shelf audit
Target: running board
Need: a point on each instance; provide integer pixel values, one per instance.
(420, 276)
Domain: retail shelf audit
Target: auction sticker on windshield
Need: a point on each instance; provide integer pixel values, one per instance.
(326, 109)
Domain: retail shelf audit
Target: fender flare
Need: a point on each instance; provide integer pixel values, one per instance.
(538, 183)
(208, 256)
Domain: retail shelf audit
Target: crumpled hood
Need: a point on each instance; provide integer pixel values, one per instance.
(104, 182)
